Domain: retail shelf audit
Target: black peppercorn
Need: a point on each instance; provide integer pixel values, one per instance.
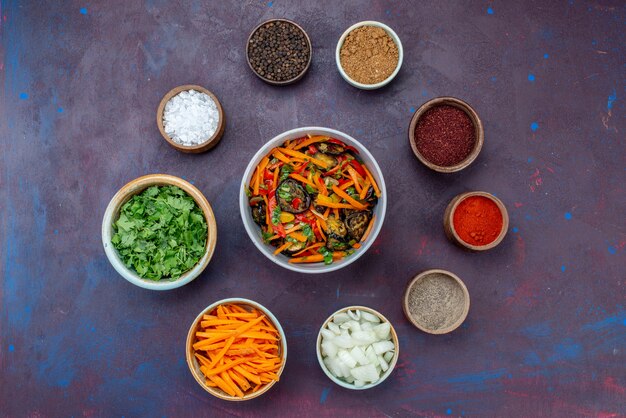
(278, 51)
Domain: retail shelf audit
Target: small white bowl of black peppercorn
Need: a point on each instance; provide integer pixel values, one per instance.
(279, 52)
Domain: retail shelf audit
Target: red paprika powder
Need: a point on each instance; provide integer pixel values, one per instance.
(477, 220)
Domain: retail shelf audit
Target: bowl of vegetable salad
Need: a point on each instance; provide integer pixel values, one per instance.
(313, 200)
(159, 232)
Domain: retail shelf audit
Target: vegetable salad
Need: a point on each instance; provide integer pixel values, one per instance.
(313, 199)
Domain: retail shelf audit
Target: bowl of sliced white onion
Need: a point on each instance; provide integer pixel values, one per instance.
(357, 347)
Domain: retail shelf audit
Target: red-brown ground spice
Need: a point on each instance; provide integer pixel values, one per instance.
(477, 220)
(445, 135)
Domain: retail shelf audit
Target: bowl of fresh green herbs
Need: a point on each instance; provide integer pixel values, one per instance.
(159, 232)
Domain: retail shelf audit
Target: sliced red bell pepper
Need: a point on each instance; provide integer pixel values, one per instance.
(334, 170)
(346, 146)
(342, 182)
(303, 218)
(355, 164)
(312, 149)
(280, 229)
(302, 168)
(296, 202)
(268, 175)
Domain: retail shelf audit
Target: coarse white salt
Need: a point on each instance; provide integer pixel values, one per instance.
(190, 118)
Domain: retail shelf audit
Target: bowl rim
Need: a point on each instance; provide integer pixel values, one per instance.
(393, 36)
(203, 146)
(340, 382)
(192, 362)
(469, 110)
(263, 248)
(448, 221)
(136, 186)
(291, 80)
(466, 301)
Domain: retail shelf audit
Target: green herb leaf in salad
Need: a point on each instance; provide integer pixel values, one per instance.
(276, 215)
(285, 170)
(161, 233)
(308, 232)
(328, 255)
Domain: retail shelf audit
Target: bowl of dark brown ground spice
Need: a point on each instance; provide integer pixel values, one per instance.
(477, 221)
(436, 301)
(369, 55)
(279, 52)
(446, 134)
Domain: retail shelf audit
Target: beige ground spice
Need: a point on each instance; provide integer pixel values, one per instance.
(436, 301)
(369, 55)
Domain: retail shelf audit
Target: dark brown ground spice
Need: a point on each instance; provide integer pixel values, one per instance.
(445, 135)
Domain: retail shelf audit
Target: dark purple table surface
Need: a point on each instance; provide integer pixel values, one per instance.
(545, 335)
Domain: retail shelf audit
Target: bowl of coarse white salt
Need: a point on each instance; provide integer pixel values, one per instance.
(191, 119)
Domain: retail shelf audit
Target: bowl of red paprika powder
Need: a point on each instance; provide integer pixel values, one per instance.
(477, 221)
(446, 134)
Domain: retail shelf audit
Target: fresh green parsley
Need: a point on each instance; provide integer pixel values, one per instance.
(276, 215)
(328, 255)
(161, 233)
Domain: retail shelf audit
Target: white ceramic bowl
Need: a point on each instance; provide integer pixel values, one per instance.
(255, 232)
(341, 382)
(395, 38)
(112, 212)
(192, 361)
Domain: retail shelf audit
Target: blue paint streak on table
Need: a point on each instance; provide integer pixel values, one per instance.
(546, 331)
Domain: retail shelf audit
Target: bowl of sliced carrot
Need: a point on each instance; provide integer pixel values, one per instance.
(313, 200)
(236, 349)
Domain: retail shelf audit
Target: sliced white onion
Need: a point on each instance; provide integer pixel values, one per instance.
(340, 318)
(370, 317)
(382, 347)
(357, 347)
(355, 315)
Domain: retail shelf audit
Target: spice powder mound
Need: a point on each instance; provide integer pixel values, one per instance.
(369, 55)
(477, 220)
(445, 135)
(436, 301)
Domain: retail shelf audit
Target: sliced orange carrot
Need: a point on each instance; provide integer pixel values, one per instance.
(372, 181)
(311, 140)
(303, 180)
(251, 377)
(349, 198)
(282, 248)
(369, 229)
(346, 185)
(310, 247)
(232, 384)
(308, 259)
(223, 385)
(298, 236)
(364, 190)
(298, 154)
(321, 226)
(280, 156)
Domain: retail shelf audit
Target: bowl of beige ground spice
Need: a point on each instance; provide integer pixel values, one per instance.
(436, 301)
(369, 55)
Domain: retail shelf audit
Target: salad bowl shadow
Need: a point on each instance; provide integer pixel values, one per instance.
(112, 213)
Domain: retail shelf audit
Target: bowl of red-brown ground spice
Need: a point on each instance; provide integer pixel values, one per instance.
(446, 134)
(477, 221)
